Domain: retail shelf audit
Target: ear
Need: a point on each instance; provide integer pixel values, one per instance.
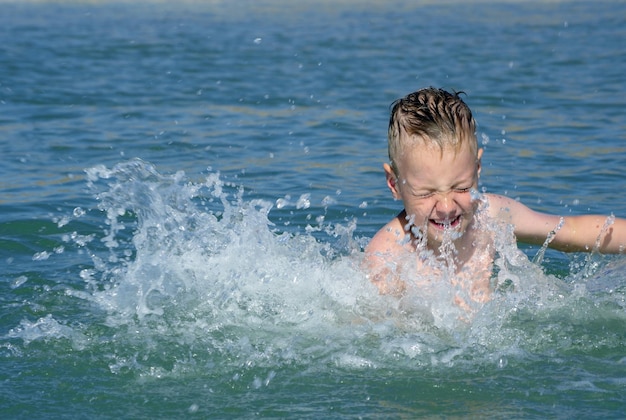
(479, 165)
(392, 181)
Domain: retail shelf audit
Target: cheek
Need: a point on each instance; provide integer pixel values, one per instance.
(467, 204)
(420, 209)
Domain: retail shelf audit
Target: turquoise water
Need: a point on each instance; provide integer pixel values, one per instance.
(186, 189)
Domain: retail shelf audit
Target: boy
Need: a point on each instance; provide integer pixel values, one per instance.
(447, 228)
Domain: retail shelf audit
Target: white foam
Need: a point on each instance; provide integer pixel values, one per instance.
(195, 265)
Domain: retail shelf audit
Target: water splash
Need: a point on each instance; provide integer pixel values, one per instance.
(542, 251)
(192, 276)
(593, 260)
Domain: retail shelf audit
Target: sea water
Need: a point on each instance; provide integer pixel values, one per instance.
(187, 190)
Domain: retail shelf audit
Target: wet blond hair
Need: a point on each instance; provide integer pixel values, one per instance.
(430, 116)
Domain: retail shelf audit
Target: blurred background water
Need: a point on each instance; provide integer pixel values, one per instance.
(186, 189)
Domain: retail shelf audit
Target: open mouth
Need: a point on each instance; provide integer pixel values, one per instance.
(446, 224)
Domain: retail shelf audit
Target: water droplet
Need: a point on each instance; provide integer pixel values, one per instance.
(17, 282)
(502, 362)
(304, 202)
(328, 200)
(40, 256)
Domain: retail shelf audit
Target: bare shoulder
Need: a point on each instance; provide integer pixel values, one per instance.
(499, 205)
(506, 208)
(388, 240)
(381, 254)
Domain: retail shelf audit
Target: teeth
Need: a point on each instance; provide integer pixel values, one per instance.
(446, 222)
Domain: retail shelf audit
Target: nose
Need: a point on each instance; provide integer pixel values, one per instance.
(445, 205)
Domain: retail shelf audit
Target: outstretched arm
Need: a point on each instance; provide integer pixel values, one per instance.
(569, 233)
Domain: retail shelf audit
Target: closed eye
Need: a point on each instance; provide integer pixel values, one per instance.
(428, 194)
(424, 195)
(462, 190)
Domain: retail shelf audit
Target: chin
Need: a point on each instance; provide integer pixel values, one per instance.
(436, 236)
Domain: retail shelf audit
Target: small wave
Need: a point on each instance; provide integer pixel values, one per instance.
(192, 275)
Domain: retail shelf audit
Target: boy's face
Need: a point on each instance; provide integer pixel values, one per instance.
(435, 186)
